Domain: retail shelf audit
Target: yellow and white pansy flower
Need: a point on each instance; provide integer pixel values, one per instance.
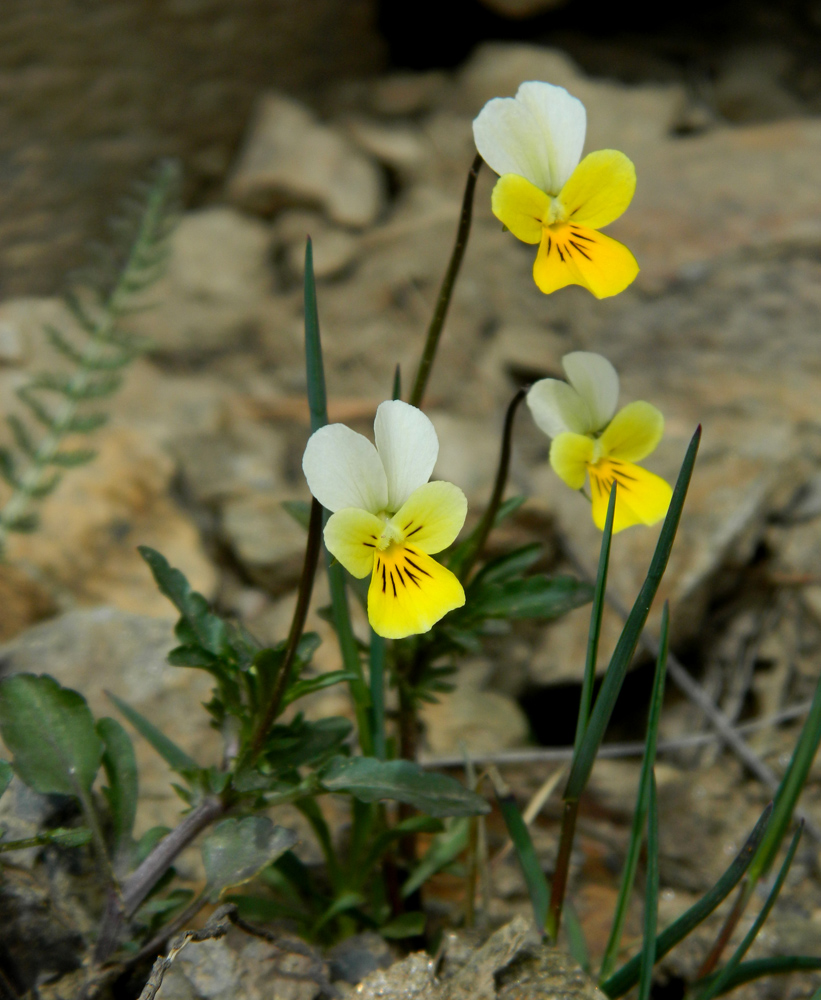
(591, 439)
(387, 519)
(545, 195)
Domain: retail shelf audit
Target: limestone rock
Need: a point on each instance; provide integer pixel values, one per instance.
(290, 158)
(85, 547)
(265, 538)
(217, 277)
(334, 249)
(481, 721)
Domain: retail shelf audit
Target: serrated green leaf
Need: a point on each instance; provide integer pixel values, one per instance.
(237, 849)
(305, 743)
(209, 629)
(176, 758)
(539, 596)
(50, 731)
(120, 765)
(371, 780)
(192, 655)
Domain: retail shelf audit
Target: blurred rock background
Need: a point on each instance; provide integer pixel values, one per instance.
(351, 121)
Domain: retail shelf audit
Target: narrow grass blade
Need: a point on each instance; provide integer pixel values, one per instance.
(317, 398)
(595, 623)
(789, 790)
(628, 640)
(537, 884)
(397, 383)
(642, 803)
(576, 941)
(318, 406)
(729, 969)
(628, 975)
(651, 896)
(758, 968)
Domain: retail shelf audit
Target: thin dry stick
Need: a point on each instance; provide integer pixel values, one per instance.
(549, 755)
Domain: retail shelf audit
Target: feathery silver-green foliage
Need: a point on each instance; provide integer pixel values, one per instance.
(98, 299)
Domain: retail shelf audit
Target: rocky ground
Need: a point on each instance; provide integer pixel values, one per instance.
(206, 437)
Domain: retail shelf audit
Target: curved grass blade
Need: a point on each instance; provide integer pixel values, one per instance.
(628, 975)
(726, 973)
(757, 968)
(318, 406)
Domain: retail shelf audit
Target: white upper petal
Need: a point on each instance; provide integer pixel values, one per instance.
(343, 469)
(408, 448)
(538, 135)
(562, 121)
(557, 407)
(596, 381)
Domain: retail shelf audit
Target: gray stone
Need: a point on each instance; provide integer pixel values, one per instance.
(290, 158)
(265, 538)
(217, 277)
(334, 249)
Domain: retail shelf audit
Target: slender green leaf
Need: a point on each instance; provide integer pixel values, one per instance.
(70, 458)
(642, 802)
(535, 879)
(725, 975)
(576, 941)
(120, 765)
(404, 926)
(444, 849)
(789, 789)
(347, 901)
(371, 780)
(651, 896)
(238, 849)
(176, 758)
(86, 424)
(628, 640)
(511, 564)
(628, 975)
(317, 399)
(50, 731)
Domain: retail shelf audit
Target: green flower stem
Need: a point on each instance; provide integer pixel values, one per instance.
(446, 289)
(483, 529)
(306, 585)
(562, 869)
(377, 684)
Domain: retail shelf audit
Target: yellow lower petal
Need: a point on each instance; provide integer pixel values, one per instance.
(599, 189)
(410, 592)
(641, 496)
(351, 536)
(432, 516)
(570, 455)
(575, 255)
(634, 432)
(520, 206)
